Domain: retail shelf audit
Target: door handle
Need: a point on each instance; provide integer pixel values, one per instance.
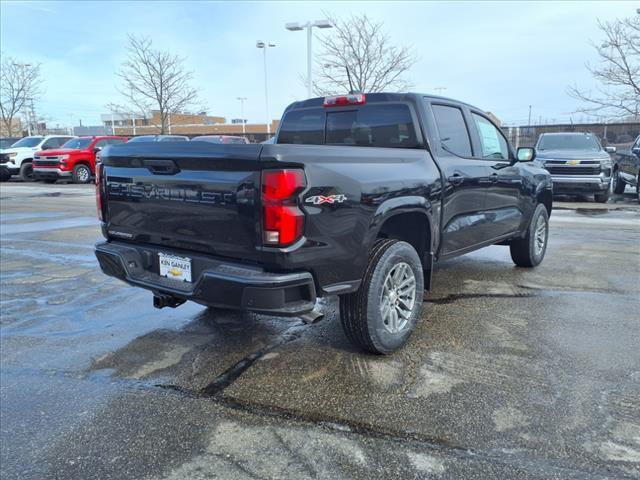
(456, 179)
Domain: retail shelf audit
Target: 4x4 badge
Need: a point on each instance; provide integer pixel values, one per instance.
(320, 199)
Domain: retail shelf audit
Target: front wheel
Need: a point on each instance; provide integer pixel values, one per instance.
(81, 174)
(530, 250)
(617, 184)
(383, 313)
(26, 172)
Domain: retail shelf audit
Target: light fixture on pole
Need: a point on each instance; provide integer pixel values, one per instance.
(264, 46)
(242, 100)
(294, 27)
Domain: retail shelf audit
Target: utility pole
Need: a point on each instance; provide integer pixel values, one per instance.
(294, 27)
(529, 121)
(264, 46)
(242, 100)
(439, 89)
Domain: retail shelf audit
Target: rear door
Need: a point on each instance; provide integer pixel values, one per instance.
(465, 179)
(504, 199)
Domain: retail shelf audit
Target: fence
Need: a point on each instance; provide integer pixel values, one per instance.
(608, 133)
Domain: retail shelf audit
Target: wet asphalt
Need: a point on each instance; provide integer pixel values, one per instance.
(512, 373)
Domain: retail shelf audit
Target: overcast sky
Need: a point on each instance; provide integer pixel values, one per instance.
(501, 56)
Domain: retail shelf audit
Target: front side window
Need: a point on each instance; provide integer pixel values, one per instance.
(452, 130)
(494, 145)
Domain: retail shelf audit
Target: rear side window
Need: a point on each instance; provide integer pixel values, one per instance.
(377, 125)
(452, 130)
(303, 127)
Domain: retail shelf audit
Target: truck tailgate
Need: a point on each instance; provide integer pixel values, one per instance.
(184, 195)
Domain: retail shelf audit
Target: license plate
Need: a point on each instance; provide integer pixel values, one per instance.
(177, 268)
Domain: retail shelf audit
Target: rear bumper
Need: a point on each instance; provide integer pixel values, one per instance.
(44, 172)
(216, 282)
(580, 183)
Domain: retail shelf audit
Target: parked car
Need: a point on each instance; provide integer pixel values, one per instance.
(577, 162)
(358, 197)
(18, 159)
(159, 138)
(626, 169)
(220, 139)
(6, 142)
(76, 159)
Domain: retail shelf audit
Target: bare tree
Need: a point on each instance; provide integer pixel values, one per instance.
(20, 85)
(154, 79)
(618, 72)
(359, 56)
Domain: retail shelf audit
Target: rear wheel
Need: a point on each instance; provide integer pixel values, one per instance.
(26, 172)
(5, 175)
(81, 173)
(530, 250)
(383, 313)
(617, 185)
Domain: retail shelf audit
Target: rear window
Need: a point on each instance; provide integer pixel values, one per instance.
(381, 125)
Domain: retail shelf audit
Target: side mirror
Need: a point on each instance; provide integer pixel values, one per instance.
(96, 149)
(526, 154)
(610, 149)
(636, 150)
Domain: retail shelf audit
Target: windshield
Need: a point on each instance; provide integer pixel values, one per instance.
(7, 142)
(27, 142)
(568, 142)
(77, 143)
(210, 139)
(143, 138)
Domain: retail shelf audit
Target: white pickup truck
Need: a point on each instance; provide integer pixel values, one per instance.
(18, 159)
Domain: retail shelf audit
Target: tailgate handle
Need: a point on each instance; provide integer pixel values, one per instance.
(161, 167)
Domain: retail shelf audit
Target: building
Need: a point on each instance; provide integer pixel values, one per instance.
(185, 124)
(16, 128)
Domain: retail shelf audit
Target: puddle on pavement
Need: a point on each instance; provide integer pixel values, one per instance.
(11, 229)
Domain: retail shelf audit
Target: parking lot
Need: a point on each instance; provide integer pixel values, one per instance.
(512, 373)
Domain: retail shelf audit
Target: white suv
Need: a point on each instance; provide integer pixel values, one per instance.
(18, 159)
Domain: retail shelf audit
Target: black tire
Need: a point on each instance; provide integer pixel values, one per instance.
(5, 175)
(617, 184)
(26, 172)
(601, 197)
(81, 173)
(361, 311)
(527, 252)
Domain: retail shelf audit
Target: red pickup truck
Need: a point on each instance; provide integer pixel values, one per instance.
(76, 159)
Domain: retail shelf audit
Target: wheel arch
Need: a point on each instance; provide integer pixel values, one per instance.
(408, 219)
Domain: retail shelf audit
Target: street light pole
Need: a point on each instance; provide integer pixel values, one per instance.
(242, 99)
(294, 27)
(264, 46)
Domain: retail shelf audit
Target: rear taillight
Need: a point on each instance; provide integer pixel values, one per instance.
(342, 100)
(282, 220)
(99, 189)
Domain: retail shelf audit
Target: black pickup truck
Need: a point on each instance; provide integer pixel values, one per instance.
(358, 196)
